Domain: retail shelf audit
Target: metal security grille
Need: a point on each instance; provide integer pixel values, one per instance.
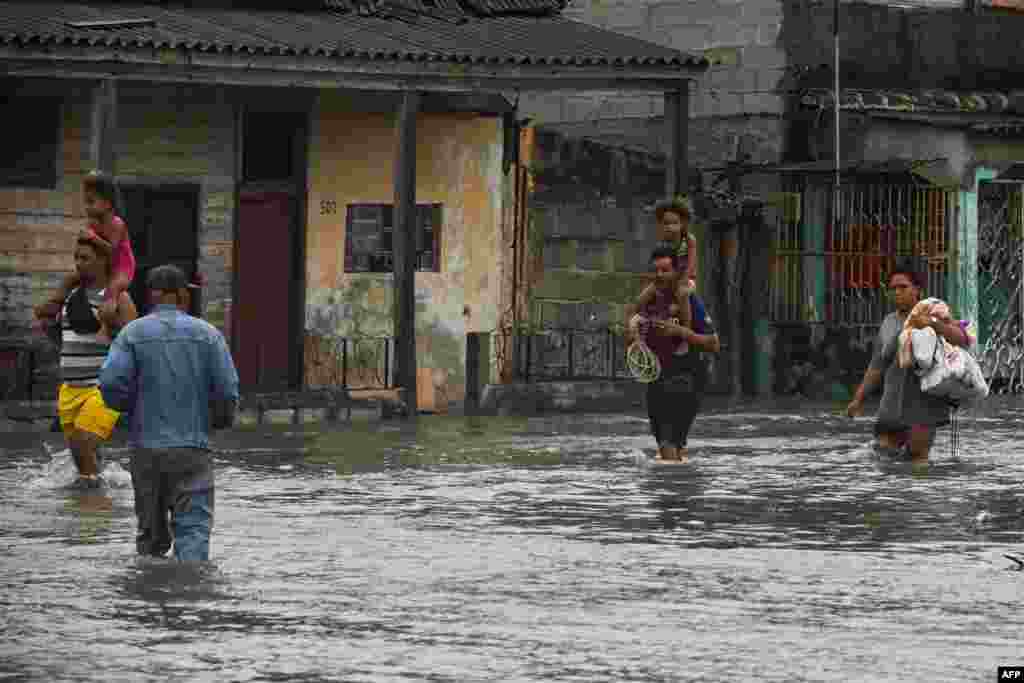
(835, 272)
(999, 285)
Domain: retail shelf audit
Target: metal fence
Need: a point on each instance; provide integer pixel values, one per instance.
(834, 272)
(561, 354)
(351, 363)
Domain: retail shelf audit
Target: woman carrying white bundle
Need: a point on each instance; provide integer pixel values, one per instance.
(946, 371)
(907, 417)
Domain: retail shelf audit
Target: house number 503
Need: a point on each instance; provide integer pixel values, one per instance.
(328, 206)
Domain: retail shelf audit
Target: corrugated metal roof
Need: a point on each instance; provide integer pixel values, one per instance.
(867, 166)
(390, 32)
(472, 7)
(516, 6)
(925, 101)
(937, 171)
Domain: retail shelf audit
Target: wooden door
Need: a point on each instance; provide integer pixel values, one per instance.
(262, 333)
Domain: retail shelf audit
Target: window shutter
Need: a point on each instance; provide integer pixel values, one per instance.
(349, 261)
(436, 222)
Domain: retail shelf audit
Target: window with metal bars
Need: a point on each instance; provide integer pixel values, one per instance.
(834, 271)
(369, 230)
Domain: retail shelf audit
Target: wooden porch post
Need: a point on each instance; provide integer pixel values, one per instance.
(404, 250)
(104, 130)
(677, 123)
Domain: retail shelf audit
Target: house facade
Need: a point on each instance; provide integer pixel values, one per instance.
(264, 150)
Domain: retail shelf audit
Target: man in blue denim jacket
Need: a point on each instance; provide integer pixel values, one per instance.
(173, 373)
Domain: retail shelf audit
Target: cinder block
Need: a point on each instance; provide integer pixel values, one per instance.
(687, 37)
(576, 220)
(768, 79)
(546, 220)
(760, 10)
(658, 106)
(726, 104)
(701, 104)
(591, 255)
(763, 57)
(733, 80)
(622, 17)
(768, 32)
(634, 106)
(614, 223)
(542, 108)
(580, 108)
(705, 12)
(763, 103)
(733, 33)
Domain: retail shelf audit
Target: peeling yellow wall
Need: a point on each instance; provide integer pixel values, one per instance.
(351, 159)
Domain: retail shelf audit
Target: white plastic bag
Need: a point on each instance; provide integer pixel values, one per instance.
(923, 343)
(954, 374)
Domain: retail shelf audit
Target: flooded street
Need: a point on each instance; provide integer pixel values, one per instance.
(540, 549)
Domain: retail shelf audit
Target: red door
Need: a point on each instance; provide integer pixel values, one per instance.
(262, 311)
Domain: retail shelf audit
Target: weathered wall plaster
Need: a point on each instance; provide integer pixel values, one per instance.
(458, 160)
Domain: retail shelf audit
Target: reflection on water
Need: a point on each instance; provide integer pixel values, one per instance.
(454, 548)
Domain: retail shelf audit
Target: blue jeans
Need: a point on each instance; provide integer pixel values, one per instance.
(192, 528)
(174, 501)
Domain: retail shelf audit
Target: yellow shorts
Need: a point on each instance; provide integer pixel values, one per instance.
(83, 408)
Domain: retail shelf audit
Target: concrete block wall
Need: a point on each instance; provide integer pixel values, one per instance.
(591, 213)
(885, 46)
(741, 35)
(736, 115)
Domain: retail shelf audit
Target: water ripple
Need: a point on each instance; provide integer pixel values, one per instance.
(542, 549)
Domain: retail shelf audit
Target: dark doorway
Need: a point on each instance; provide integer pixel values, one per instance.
(163, 221)
(268, 320)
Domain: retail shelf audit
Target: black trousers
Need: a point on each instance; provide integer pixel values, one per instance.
(672, 405)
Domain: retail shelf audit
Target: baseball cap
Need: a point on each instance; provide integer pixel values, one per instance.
(166, 279)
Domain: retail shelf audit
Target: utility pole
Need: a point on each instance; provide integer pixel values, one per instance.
(836, 96)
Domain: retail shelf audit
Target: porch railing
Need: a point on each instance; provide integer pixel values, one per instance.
(567, 354)
(351, 363)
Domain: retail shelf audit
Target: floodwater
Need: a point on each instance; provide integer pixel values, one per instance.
(541, 549)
